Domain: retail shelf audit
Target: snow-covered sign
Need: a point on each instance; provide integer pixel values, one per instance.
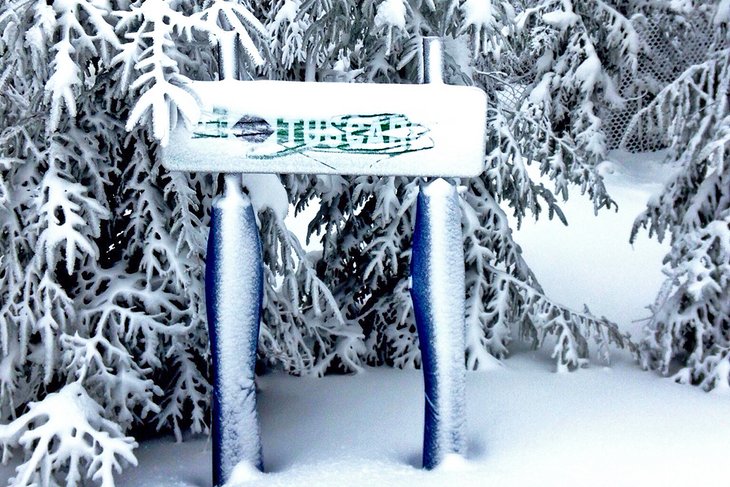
(332, 128)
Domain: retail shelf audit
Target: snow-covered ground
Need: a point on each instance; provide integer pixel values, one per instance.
(527, 425)
(590, 261)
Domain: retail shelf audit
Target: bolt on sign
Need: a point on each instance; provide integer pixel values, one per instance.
(332, 128)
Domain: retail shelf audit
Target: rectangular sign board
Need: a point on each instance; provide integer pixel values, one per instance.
(332, 128)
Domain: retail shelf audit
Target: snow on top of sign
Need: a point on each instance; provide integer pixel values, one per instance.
(266, 191)
(319, 97)
(391, 13)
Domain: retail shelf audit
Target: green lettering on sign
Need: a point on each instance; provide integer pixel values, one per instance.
(385, 133)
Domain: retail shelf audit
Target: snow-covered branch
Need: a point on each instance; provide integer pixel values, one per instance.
(67, 432)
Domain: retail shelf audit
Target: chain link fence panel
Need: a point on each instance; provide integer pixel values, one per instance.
(665, 55)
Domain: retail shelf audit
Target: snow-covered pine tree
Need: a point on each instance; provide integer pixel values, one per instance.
(572, 53)
(55, 148)
(690, 320)
(101, 297)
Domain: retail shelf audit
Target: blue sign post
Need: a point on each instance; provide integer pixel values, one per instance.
(233, 291)
(410, 130)
(437, 290)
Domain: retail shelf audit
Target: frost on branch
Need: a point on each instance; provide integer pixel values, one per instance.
(391, 15)
(487, 20)
(691, 314)
(504, 299)
(303, 329)
(95, 35)
(149, 59)
(230, 16)
(68, 435)
(164, 244)
(66, 208)
(573, 52)
(286, 30)
(161, 51)
(310, 36)
(365, 232)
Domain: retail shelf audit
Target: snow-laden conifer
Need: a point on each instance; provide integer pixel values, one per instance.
(366, 254)
(690, 319)
(103, 250)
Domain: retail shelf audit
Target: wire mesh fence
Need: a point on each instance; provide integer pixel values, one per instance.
(665, 54)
